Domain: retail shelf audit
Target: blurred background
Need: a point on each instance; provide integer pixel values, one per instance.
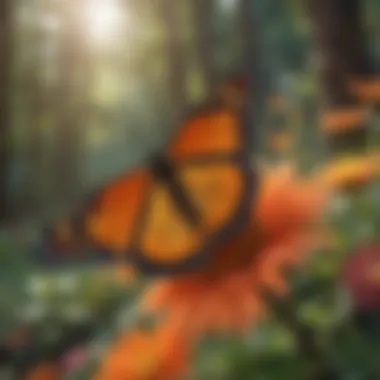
(91, 88)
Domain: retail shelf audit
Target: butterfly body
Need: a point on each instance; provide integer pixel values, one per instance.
(164, 171)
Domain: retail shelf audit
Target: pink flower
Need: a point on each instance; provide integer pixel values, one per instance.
(361, 276)
(74, 359)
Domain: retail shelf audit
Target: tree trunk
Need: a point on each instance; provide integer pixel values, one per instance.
(36, 97)
(70, 104)
(205, 42)
(343, 55)
(6, 24)
(252, 68)
(174, 52)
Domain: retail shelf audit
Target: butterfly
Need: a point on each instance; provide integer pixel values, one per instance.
(170, 215)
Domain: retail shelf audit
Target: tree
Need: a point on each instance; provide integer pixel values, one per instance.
(205, 41)
(70, 105)
(174, 52)
(342, 47)
(6, 26)
(252, 60)
(36, 109)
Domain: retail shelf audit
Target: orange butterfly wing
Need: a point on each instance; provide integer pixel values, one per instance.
(106, 223)
(112, 220)
(209, 133)
(211, 159)
(139, 218)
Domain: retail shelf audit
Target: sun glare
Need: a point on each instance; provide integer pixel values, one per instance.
(104, 19)
(228, 5)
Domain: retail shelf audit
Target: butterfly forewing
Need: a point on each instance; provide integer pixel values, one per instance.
(210, 134)
(216, 190)
(168, 237)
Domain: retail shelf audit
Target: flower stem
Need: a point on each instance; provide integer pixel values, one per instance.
(285, 311)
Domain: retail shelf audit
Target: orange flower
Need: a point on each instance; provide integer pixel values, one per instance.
(366, 89)
(45, 371)
(341, 120)
(225, 295)
(350, 172)
(139, 355)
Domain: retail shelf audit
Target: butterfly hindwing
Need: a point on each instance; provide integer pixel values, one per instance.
(103, 230)
(113, 219)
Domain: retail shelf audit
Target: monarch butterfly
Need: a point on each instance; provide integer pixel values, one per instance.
(170, 215)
